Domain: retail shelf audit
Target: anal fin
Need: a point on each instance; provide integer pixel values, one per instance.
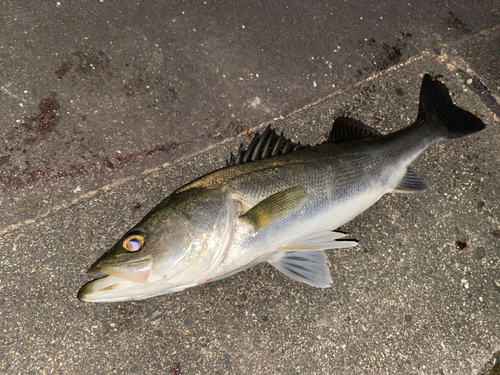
(318, 240)
(303, 258)
(411, 183)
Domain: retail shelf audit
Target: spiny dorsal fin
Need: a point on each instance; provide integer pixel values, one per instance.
(266, 145)
(346, 129)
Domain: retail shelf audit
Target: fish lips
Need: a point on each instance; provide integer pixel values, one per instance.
(105, 289)
(137, 271)
(107, 276)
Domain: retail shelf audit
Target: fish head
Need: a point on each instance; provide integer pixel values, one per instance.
(175, 246)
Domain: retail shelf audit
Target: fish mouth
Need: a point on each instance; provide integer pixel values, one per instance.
(137, 270)
(105, 289)
(113, 282)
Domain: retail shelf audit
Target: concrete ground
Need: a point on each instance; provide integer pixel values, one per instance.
(110, 106)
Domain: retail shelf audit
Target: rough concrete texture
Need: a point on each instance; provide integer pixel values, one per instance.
(96, 91)
(420, 294)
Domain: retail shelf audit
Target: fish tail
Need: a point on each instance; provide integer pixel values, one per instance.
(437, 108)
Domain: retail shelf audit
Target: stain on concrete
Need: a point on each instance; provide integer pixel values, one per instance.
(453, 22)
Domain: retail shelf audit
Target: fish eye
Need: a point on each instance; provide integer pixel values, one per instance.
(133, 242)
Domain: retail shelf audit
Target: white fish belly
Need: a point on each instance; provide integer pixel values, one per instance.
(249, 249)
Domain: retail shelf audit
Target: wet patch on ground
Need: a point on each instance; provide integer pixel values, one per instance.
(479, 88)
(383, 55)
(90, 62)
(453, 22)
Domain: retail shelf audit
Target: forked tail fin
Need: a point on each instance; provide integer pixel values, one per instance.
(436, 106)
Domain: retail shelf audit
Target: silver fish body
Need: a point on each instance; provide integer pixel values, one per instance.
(281, 208)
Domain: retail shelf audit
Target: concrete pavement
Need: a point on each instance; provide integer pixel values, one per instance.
(142, 98)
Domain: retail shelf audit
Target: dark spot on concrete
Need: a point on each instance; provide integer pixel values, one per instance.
(49, 105)
(400, 91)
(348, 319)
(63, 69)
(4, 159)
(109, 164)
(29, 140)
(393, 55)
(127, 89)
(91, 62)
(408, 318)
(137, 206)
(176, 369)
(480, 206)
(496, 233)
(44, 121)
(138, 85)
(264, 318)
(173, 93)
(384, 55)
(453, 22)
(461, 244)
(35, 129)
(480, 253)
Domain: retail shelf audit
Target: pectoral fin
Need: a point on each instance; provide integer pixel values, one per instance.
(275, 207)
(307, 267)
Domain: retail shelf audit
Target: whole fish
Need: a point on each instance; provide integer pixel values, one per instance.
(276, 202)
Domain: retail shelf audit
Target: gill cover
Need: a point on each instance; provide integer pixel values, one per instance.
(184, 238)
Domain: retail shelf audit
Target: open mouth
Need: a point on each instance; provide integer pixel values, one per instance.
(137, 271)
(113, 282)
(105, 289)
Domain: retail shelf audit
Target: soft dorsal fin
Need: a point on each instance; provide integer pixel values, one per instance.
(346, 129)
(266, 145)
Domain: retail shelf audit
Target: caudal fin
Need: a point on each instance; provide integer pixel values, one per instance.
(436, 106)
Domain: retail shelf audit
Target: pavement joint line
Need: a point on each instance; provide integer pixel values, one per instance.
(455, 63)
(9, 94)
(423, 54)
(472, 36)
